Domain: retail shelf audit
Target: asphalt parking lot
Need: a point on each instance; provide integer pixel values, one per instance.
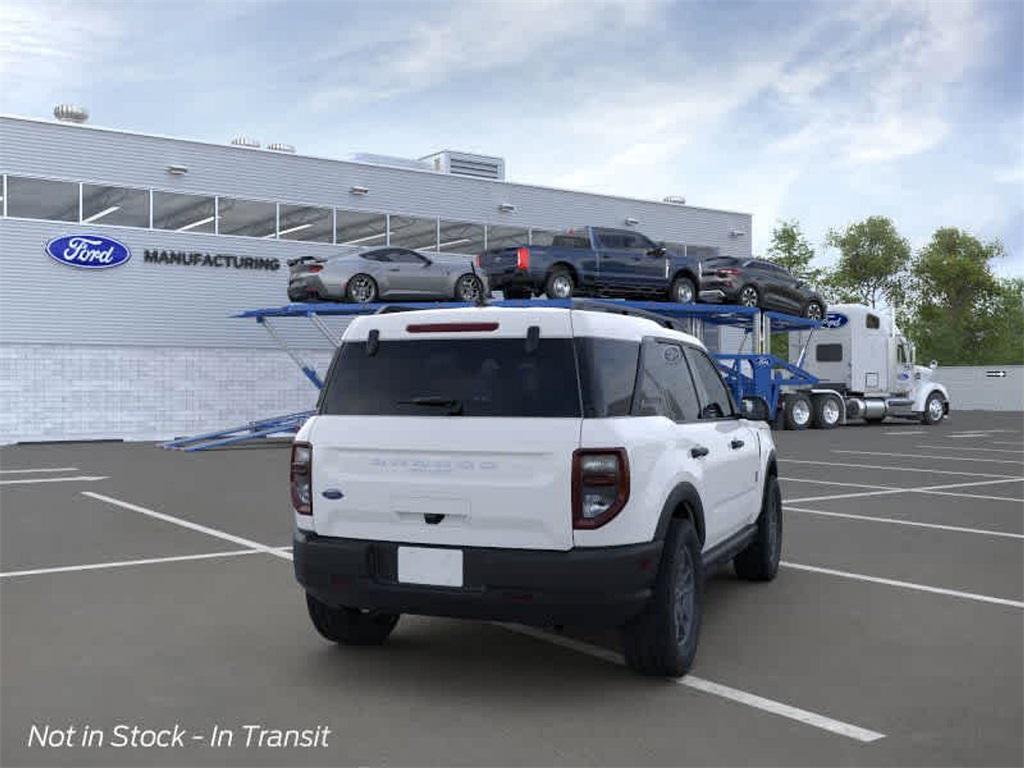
(151, 588)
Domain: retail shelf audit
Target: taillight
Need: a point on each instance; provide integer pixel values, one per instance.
(728, 272)
(302, 478)
(479, 261)
(314, 268)
(600, 485)
(522, 258)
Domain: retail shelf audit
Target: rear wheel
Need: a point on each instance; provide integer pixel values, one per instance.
(814, 311)
(797, 411)
(663, 639)
(361, 289)
(760, 560)
(828, 411)
(749, 297)
(350, 626)
(468, 288)
(683, 291)
(934, 409)
(560, 284)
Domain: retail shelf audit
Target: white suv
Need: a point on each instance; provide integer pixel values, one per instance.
(548, 466)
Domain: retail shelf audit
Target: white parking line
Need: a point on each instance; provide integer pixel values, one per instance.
(126, 563)
(1003, 442)
(28, 480)
(191, 526)
(930, 489)
(969, 448)
(930, 456)
(897, 469)
(715, 689)
(904, 584)
(908, 432)
(912, 523)
(40, 469)
(836, 482)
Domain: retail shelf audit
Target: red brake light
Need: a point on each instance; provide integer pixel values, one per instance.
(728, 272)
(600, 485)
(479, 261)
(314, 268)
(522, 258)
(451, 327)
(301, 479)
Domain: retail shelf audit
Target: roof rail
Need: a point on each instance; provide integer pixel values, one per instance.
(591, 305)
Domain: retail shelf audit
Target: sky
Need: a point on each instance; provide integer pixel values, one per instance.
(823, 112)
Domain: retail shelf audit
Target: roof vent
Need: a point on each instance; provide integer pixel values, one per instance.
(245, 141)
(278, 147)
(465, 164)
(70, 113)
(674, 200)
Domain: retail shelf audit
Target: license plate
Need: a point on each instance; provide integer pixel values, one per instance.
(437, 567)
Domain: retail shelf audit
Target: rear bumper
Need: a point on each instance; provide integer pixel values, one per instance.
(603, 586)
(514, 278)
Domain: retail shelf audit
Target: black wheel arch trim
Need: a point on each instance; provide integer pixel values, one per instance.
(684, 495)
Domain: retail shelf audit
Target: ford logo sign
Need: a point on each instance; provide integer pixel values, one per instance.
(88, 251)
(834, 320)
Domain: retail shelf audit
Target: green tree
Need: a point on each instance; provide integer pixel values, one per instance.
(789, 249)
(960, 312)
(873, 259)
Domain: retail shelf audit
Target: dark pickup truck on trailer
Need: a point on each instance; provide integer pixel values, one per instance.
(593, 262)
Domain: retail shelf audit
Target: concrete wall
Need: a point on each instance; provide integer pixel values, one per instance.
(972, 389)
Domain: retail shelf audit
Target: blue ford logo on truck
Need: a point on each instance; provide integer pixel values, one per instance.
(88, 251)
(834, 320)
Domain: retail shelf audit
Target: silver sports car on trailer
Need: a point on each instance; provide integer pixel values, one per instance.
(385, 273)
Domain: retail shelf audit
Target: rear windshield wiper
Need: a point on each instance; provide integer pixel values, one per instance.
(454, 406)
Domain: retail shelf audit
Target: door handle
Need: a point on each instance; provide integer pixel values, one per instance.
(395, 269)
(736, 444)
(699, 452)
(332, 493)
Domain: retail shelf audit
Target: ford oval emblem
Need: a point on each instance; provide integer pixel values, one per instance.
(88, 251)
(834, 320)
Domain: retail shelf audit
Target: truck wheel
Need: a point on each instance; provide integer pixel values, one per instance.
(828, 410)
(350, 626)
(683, 291)
(662, 640)
(560, 284)
(760, 560)
(797, 414)
(934, 409)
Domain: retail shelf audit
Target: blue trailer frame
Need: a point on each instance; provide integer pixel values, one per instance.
(757, 373)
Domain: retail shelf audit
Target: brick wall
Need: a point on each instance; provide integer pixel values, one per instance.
(64, 392)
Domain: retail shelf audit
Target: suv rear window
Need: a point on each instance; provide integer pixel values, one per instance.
(483, 377)
(442, 377)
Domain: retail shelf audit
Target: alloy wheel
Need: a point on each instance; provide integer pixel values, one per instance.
(361, 289)
(468, 289)
(813, 311)
(684, 608)
(561, 286)
(748, 296)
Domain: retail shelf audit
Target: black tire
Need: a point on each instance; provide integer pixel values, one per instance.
(814, 310)
(516, 293)
(662, 640)
(469, 288)
(350, 626)
(749, 296)
(560, 284)
(760, 560)
(354, 289)
(933, 413)
(683, 291)
(796, 411)
(828, 412)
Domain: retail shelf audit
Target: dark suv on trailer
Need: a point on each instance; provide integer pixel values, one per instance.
(758, 283)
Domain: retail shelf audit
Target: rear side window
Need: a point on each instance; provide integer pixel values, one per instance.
(871, 321)
(829, 353)
(607, 375)
(472, 377)
(571, 241)
(666, 388)
(714, 392)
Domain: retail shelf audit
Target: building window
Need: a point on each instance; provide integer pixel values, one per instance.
(302, 222)
(247, 218)
(367, 230)
(115, 205)
(184, 213)
(412, 232)
(461, 237)
(542, 236)
(507, 237)
(42, 199)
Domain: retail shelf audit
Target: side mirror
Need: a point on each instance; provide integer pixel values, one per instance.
(712, 411)
(658, 251)
(755, 408)
(933, 364)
